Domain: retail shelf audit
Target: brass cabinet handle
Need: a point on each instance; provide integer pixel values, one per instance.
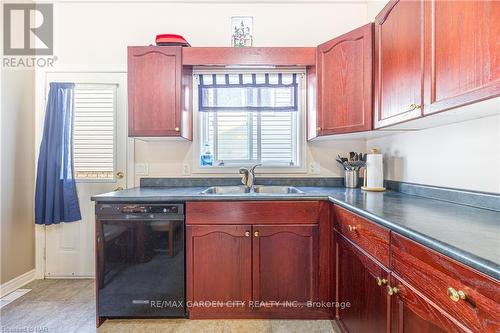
(256, 234)
(455, 295)
(318, 129)
(247, 233)
(120, 175)
(351, 228)
(392, 290)
(380, 281)
(177, 129)
(414, 107)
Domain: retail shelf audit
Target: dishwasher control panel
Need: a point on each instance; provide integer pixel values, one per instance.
(143, 210)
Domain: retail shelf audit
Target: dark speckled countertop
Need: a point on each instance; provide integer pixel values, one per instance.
(467, 234)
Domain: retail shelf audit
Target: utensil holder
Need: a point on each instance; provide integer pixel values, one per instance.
(351, 178)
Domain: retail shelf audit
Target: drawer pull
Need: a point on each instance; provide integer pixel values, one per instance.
(351, 228)
(456, 295)
(247, 233)
(256, 234)
(380, 281)
(392, 290)
(414, 107)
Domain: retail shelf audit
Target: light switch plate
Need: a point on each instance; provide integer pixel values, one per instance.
(186, 170)
(314, 168)
(142, 169)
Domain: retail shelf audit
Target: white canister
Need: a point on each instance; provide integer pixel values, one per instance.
(374, 172)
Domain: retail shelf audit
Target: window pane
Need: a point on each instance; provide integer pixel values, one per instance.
(276, 137)
(233, 136)
(93, 135)
(242, 135)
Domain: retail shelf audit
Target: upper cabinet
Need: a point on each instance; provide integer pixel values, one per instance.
(399, 44)
(156, 86)
(433, 56)
(344, 83)
(462, 51)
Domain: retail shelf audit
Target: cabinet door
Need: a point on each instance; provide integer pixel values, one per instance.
(345, 79)
(399, 62)
(154, 91)
(413, 313)
(285, 264)
(462, 53)
(218, 266)
(361, 282)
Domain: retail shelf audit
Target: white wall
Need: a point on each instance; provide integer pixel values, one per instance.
(98, 33)
(464, 155)
(17, 173)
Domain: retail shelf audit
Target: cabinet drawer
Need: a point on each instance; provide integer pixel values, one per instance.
(371, 237)
(433, 274)
(252, 212)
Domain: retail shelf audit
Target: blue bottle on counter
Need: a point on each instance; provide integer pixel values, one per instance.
(206, 158)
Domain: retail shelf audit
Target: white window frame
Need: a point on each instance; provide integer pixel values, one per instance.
(233, 167)
(85, 85)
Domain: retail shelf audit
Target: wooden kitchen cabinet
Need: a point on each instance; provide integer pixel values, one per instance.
(156, 86)
(219, 266)
(235, 251)
(434, 274)
(362, 282)
(275, 267)
(411, 312)
(462, 52)
(345, 83)
(285, 263)
(399, 43)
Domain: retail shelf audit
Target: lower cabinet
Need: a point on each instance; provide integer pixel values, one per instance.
(245, 271)
(419, 290)
(219, 266)
(362, 282)
(411, 312)
(285, 265)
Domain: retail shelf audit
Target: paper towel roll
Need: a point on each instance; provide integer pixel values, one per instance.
(374, 171)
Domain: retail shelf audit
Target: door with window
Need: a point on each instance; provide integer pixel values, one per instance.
(100, 165)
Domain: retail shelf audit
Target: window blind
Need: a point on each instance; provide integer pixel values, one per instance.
(94, 132)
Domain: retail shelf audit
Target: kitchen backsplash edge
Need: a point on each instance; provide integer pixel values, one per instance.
(234, 181)
(464, 197)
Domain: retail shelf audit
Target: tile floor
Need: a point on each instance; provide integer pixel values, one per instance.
(66, 306)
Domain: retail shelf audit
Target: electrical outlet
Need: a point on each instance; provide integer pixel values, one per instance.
(314, 168)
(186, 170)
(142, 169)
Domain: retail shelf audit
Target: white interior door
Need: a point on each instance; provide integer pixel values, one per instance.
(100, 157)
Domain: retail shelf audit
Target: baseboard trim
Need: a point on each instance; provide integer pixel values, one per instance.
(16, 283)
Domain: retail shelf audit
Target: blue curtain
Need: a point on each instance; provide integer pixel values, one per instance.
(56, 199)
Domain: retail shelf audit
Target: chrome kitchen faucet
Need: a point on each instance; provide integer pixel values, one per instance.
(248, 176)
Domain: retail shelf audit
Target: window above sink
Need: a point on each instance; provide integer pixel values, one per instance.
(244, 117)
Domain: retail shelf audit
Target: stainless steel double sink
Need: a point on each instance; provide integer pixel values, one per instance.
(258, 189)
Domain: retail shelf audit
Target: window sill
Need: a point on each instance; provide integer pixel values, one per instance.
(232, 170)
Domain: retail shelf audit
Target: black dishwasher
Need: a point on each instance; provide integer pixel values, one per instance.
(140, 260)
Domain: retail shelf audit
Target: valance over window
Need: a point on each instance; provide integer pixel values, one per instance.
(248, 92)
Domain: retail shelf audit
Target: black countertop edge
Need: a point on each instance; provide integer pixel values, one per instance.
(469, 260)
